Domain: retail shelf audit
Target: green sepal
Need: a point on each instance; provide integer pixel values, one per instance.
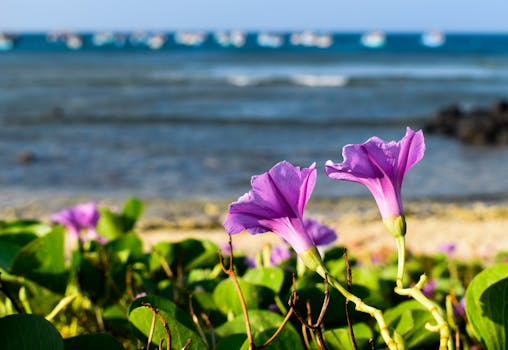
(396, 225)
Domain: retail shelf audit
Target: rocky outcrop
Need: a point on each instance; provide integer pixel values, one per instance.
(478, 126)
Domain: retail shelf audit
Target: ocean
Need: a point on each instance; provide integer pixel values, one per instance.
(195, 115)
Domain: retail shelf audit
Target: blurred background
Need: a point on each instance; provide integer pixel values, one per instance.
(189, 99)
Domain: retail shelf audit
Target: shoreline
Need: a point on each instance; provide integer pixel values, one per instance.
(476, 227)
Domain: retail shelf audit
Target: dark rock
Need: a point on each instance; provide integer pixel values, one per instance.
(26, 157)
(500, 107)
(479, 126)
(445, 121)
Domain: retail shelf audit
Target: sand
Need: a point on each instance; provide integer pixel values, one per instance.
(478, 228)
(478, 231)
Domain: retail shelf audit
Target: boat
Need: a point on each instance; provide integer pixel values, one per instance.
(373, 40)
(311, 39)
(6, 42)
(433, 38)
(235, 38)
(102, 39)
(156, 41)
(270, 40)
(190, 38)
(73, 41)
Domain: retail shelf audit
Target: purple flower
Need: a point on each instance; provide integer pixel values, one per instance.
(279, 254)
(320, 234)
(429, 288)
(460, 308)
(381, 166)
(276, 203)
(274, 308)
(80, 221)
(448, 248)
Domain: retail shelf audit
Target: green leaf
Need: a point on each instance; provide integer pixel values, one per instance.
(110, 224)
(125, 247)
(28, 332)
(132, 211)
(8, 252)
(43, 261)
(340, 338)
(162, 251)
(31, 227)
(193, 253)
(15, 235)
(234, 341)
(92, 341)
(263, 324)
(270, 277)
(409, 319)
(487, 306)
(178, 321)
(227, 300)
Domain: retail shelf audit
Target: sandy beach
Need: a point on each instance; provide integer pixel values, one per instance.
(479, 231)
(478, 228)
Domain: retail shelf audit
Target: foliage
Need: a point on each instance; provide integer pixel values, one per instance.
(123, 295)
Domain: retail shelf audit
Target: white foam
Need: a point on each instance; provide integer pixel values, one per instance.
(320, 80)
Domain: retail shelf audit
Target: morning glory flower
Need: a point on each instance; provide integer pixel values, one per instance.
(80, 221)
(276, 203)
(448, 248)
(320, 234)
(279, 254)
(381, 166)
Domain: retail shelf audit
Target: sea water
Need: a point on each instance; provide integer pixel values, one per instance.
(195, 121)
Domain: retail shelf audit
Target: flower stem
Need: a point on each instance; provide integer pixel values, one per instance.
(401, 253)
(362, 307)
(312, 259)
(415, 292)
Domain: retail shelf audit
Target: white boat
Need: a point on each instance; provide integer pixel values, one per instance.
(235, 38)
(311, 39)
(190, 38)
(156, 41)
(6, 42)
(73, 41)
(102, 38)
(373, 40)
(270, 40)
(323, 41)
(433, 39)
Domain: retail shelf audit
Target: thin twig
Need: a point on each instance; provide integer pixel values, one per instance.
(195, 319)
(230, 271)
(187, 344)
(305, 336)
(128, 283)
(349, 288)
(293, 300)
(205, 317)
(164, 265)
(283, 324)
(309, 321)
(152, 329)
(98, 317)
(164, 324)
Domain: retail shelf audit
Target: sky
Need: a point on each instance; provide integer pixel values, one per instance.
(339, 15)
